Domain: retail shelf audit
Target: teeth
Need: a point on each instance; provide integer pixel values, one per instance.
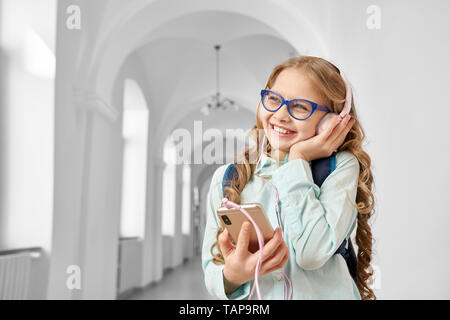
(280, 130)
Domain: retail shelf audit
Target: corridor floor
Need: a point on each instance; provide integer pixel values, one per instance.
(184, 282)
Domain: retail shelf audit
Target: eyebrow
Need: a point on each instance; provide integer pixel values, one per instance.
(284, 96)
(296, 98)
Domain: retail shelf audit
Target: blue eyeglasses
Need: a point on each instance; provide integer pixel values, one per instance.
(299, 109)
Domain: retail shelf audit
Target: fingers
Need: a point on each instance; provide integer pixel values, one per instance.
(336, 121)
(272, 245)
(342, 131)
(244, 238)
(279, 266)
(277, 261)
(332, 124)
(342, 126)
(346, 123)
(224, 242)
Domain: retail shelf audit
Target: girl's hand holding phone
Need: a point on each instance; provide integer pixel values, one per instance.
(324, 144)
(240, 264)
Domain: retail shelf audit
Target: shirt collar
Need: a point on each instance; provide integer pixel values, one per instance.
(267, 161)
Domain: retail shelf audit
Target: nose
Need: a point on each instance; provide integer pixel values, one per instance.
(282, 114)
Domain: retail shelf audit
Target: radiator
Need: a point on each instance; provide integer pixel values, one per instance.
(15, 268)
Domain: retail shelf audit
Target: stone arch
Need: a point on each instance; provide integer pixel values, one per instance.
(125, 35)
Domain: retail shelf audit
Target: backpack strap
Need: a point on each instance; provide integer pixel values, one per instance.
(349, 256)
(229, 175)
(321, 168)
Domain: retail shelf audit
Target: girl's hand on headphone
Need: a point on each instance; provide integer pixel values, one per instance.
(324, 144)
(240, 264)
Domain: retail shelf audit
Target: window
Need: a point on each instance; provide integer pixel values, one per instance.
(134, 176)
(169, 189)
(28, 36)
(186, 222)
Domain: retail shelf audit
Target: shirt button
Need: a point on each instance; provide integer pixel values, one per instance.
(286, 203)
(278, 277)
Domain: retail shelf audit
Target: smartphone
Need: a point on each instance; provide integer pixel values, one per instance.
(232, 219)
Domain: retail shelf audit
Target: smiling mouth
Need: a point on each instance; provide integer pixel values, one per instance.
(281, 132)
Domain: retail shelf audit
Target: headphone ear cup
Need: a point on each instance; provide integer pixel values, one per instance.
(324, 122)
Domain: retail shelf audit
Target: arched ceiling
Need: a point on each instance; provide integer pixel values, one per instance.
(174, 42)
(181, 72)
(131, 24)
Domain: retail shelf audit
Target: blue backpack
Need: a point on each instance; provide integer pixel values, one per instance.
(320, 168)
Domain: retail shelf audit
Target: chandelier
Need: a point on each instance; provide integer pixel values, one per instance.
(216, 102)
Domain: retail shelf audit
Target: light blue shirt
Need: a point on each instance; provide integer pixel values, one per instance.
(315, 222)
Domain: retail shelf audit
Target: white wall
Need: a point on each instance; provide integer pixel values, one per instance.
(27, 123)
(401, 74)
(27, 33)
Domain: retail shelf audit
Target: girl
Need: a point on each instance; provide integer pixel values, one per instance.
(315, 221)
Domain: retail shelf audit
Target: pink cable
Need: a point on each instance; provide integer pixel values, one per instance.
(285, 277)
(231, 204)
(279, 223)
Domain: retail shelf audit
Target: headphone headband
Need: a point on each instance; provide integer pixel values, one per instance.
(348, 97)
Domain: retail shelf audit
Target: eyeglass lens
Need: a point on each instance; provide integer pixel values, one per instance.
(299, 109)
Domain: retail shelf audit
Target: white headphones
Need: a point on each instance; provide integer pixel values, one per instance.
(324, 122)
